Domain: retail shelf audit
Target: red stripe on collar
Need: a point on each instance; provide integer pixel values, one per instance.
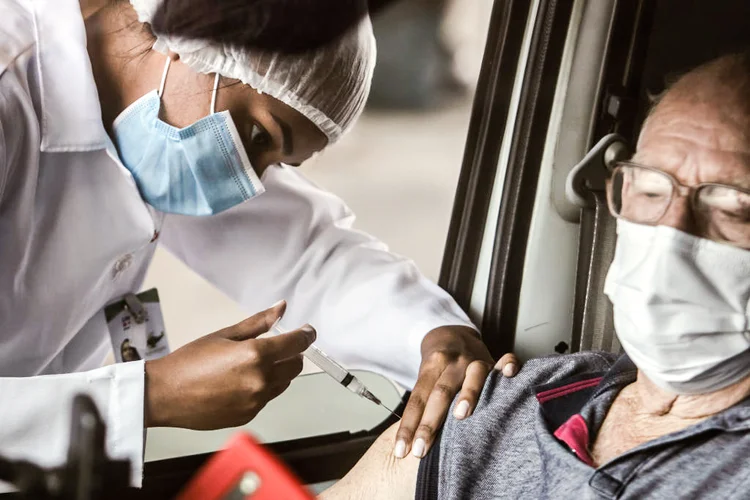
(557, 392)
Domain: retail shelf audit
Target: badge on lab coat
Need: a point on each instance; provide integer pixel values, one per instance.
(136, 327)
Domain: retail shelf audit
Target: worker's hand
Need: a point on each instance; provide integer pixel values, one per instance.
(225, 378)
(453, 359)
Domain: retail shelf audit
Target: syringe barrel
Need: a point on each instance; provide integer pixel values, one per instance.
(325, 363)
(357, 387)
(335, 370)
(318, 357)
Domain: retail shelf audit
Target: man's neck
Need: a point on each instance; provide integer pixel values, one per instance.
(656, 402)
(642, 412)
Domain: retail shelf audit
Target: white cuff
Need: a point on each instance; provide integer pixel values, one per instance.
(125, 420)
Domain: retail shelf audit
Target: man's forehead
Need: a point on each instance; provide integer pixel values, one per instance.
(696, 128)
(703, 139)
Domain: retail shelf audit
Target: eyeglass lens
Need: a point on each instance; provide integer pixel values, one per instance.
(643, 195)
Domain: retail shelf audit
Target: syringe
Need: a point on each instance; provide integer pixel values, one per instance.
(335, 370)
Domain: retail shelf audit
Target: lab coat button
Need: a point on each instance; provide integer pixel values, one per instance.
(121, 265)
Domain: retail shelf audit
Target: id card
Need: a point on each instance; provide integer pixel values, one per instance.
(136, 327)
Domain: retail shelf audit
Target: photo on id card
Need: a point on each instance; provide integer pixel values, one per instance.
(136, 327)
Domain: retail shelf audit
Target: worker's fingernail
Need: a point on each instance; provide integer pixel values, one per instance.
(461, 409)
(310, 333)
(418, 449)
(509, 370)
(400, 450)
(277, 304)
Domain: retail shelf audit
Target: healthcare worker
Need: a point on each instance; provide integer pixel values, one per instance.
(113, 140)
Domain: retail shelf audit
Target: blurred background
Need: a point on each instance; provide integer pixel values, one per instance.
(397, 169)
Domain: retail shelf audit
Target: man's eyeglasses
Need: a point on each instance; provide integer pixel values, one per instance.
(643, 195)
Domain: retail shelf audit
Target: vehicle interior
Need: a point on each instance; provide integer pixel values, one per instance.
(524, 256)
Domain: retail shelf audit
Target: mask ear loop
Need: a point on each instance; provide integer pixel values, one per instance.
(164, 77)
(213, 95)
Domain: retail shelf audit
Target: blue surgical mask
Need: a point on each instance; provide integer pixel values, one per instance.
(202, 169)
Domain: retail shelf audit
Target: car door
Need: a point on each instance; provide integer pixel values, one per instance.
(535, 282)
(519, 253)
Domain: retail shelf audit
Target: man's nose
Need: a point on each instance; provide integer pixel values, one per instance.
(679, 215)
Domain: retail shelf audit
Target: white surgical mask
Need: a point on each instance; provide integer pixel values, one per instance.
(681, 307)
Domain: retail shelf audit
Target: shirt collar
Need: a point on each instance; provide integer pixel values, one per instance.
(563, 399)
(71, 114)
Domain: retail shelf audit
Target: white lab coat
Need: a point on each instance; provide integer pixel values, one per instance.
(75, 235)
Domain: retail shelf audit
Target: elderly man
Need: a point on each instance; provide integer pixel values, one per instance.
(671, 418)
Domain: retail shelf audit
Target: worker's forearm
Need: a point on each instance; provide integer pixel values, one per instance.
(154, 401)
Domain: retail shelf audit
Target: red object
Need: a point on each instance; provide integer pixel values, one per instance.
(575, 433)
(245, 470)
(558, 392)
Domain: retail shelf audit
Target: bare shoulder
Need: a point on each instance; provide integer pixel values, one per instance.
(378, 475)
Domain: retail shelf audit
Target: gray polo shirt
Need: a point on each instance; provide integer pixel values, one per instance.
(529, 435)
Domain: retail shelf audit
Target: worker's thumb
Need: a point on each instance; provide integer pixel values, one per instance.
(255, 325)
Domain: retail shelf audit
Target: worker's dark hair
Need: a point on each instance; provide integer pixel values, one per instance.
(277, 25)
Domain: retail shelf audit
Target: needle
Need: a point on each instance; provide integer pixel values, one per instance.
(392, 413)
(371, 397)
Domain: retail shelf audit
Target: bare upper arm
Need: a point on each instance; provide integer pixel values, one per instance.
(378, 475)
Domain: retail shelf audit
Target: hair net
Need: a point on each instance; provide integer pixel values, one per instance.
(329, 86)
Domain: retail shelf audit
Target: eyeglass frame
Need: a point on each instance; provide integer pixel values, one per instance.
(682, 190)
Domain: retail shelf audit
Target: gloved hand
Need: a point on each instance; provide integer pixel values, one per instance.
(225, 378)
(453, 359)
